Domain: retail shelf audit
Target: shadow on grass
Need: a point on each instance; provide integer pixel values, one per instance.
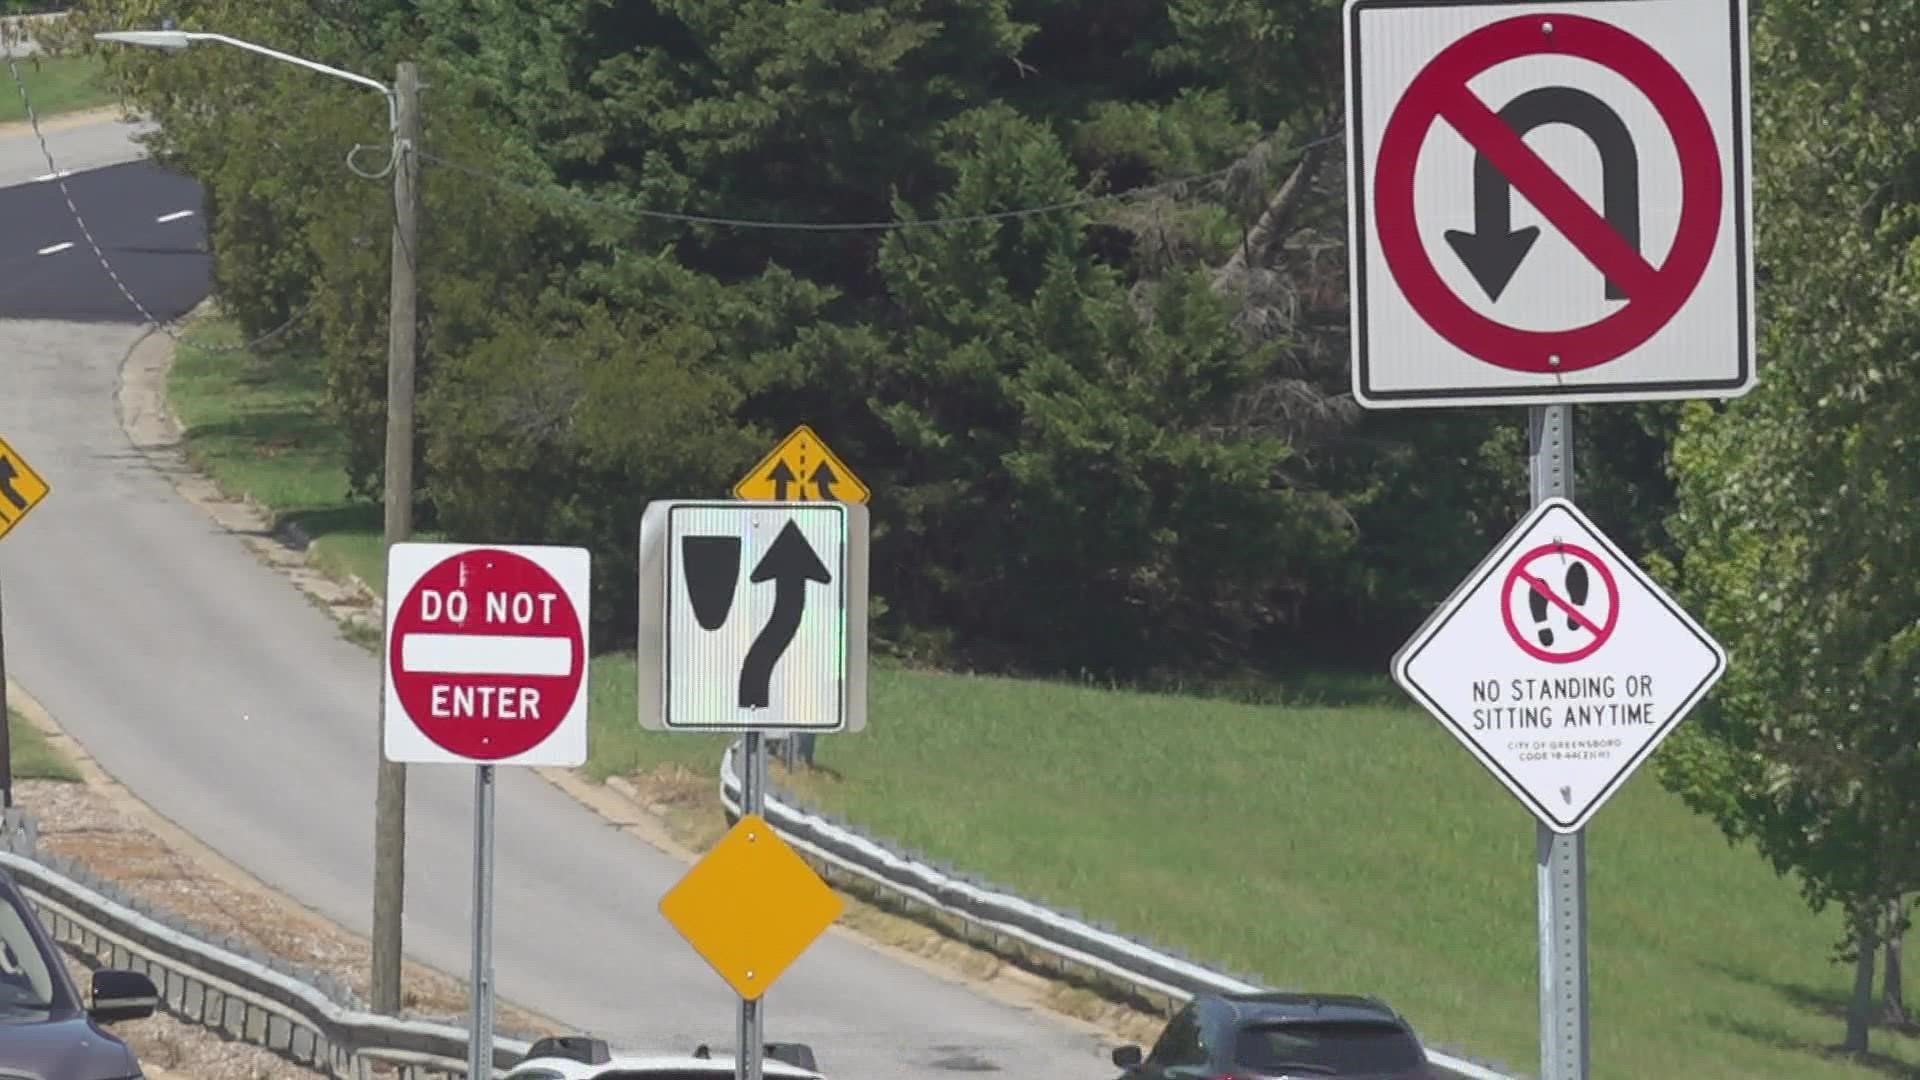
(1780, 1040)
(271, 432)
(345, 517)
(1287, 689)
(1828, 1004)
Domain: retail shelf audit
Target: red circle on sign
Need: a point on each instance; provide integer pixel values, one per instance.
(1519, 576)
(488, 696)
(1440, 92)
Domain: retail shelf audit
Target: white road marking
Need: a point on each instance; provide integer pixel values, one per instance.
(175, 216)
(56, 249)
(44, 177)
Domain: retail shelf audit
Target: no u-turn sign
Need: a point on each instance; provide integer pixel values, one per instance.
(1549, 202)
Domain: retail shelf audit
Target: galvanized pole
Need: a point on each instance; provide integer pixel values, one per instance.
(753, 800)
(480, 1038)
(1560, 859)
(6, 723)
(390, 791)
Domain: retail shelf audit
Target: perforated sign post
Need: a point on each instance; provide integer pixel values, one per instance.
(1550, 204)
(753, 618)
(21, 489)
(485, 665)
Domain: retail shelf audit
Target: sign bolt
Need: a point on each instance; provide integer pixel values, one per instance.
(1546, 27)
(1553, 361)
(751, 837)
(749, 973)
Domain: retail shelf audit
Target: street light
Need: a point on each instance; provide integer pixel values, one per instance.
(177, 40)
(403, 123)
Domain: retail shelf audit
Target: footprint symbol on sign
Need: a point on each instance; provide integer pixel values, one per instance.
(1577, 586)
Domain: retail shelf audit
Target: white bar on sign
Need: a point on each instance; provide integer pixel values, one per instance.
(486, 654)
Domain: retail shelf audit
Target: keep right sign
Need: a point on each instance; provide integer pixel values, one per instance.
(1560, 664)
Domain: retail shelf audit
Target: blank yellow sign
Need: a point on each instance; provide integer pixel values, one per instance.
(801, 469)
(21, 489)
(751, 906)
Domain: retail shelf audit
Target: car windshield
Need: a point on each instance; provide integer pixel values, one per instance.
(1351, 1048)
(25, 981)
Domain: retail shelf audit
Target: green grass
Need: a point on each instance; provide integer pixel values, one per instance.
(1350, 845)
(255, 425)
(57, 84)
(33, 759)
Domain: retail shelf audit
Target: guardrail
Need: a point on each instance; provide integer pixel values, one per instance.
(247, 996)
(991, 918)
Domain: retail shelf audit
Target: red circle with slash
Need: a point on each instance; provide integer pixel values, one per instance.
(1655, 294)
(1523, 577)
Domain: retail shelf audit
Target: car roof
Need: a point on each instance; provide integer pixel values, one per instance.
(720, 1065)
(1279, 1006)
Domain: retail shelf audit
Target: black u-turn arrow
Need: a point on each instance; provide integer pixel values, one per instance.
(1494, 250)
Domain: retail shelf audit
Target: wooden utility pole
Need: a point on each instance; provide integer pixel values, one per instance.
(390, 801)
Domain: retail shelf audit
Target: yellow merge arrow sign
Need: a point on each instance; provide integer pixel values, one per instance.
(751, 906)
(801, 469)
(21, 489)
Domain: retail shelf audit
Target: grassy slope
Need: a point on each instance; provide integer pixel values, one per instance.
(33, 759)
(1338, 847)
(57, 84)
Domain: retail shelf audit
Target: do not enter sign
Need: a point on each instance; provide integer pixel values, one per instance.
(486, 654)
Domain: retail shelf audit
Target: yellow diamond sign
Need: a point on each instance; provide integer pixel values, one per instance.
(801, 469)
(21, 489)
(751, 906)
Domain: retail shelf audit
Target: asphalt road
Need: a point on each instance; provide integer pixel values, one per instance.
(209, 685)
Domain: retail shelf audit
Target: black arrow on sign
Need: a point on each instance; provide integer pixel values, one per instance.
(781, 477)
(823, 478)
(1495, 249)
(8, 474)
(790, 563)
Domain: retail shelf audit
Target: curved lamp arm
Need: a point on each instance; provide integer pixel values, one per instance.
(176, 40)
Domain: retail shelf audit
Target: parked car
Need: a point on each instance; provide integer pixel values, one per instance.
(1273, 1035)
(574, 1057)
(47, 1030)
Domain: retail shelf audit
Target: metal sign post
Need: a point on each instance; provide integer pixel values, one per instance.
(480, 1041)
(753, 800)
(1489, 318)
(710, 572)
(486, 657)
(6, 725)
(21, 489)
(1560, 858)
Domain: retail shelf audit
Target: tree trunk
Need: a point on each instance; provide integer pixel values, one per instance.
(1860, 1009)
(1893, 1005)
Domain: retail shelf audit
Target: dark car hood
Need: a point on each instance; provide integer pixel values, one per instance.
(65, 1046)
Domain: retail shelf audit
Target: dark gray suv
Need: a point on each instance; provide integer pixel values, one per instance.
(1216, 1036)
(47, 1031)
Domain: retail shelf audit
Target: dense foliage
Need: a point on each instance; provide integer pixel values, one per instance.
(1796, 504)
(1112, 438)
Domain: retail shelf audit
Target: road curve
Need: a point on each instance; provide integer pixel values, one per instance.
(205, 682)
